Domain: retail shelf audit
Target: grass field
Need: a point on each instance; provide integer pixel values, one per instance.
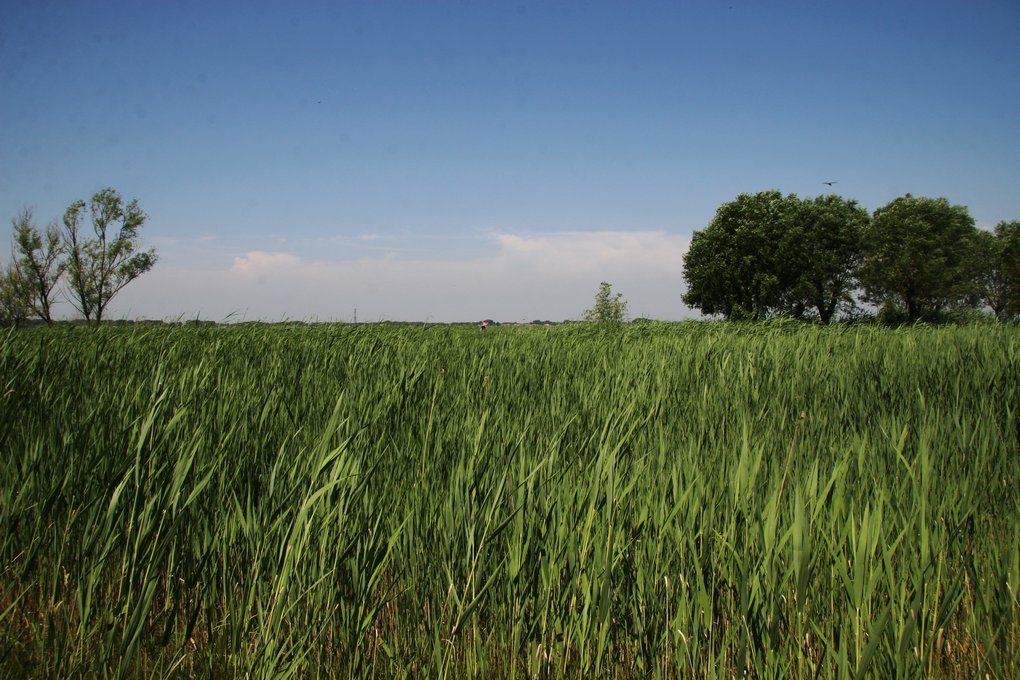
(674, 500)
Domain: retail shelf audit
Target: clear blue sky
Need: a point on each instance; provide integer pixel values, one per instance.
(463, 160)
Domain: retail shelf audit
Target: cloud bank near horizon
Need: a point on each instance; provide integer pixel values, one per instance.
(549, 276)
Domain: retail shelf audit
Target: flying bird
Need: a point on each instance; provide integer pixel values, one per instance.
(829, 183)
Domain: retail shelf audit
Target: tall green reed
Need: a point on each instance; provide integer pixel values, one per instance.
(667, 500)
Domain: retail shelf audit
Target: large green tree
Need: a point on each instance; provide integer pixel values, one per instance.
(99, 267)
(918, 255)
(998, 269)
(766, 254)
(39, 262)
(823, 245)
(733, 266)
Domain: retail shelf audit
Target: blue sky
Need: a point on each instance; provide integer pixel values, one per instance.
(464, 160)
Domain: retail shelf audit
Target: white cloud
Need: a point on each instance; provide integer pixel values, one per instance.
(260, 263)
(548, 276)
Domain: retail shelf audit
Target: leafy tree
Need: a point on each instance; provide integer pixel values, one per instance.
(99, 268)
(14, 296)
(918, 254)
(824, 244)
(608, 308)
(733, 266)
(38, 262)
(766, 254)
(998, 269)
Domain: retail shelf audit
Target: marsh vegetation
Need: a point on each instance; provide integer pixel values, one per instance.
(664, 500)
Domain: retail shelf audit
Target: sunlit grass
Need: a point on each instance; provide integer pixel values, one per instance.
(685, 500)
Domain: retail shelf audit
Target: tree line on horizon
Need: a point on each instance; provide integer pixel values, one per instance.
(765, 255)
(94, 268)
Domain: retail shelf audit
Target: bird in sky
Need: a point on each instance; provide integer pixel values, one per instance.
(829, 183)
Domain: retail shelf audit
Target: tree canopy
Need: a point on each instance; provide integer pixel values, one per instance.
(14, 296)
(731, 267)
(765, 254)
(38, 263)
(825, 245)
(99, 268)
(919, 255)
(998, 270)
(94, 267)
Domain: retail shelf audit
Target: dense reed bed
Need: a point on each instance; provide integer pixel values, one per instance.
(682, 500)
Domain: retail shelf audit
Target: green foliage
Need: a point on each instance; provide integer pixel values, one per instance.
(608, 308)
(919, 255)
(824, 247)
(39, 262)
(732, 267)
(98, 268)
(998, 269)
(765, 254)
(14, 296)
(667, 501)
